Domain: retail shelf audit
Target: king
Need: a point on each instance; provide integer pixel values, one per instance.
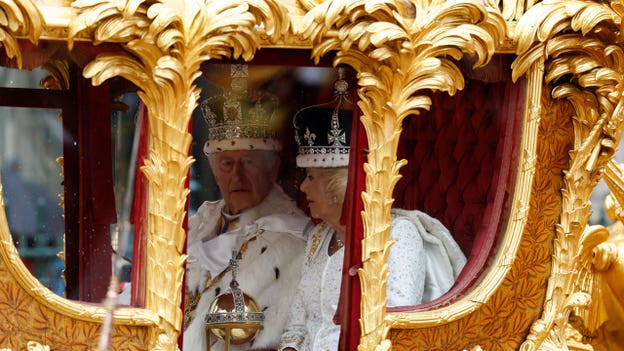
(255, 218)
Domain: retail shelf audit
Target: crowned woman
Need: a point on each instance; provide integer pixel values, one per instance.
(424, 261)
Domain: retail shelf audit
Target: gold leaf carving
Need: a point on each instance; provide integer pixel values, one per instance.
(581, 46)
(58, 78)
(399, 49)
(51, 320)
(18, 18)
(600, 325)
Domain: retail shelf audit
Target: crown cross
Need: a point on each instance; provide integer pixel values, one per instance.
(234, 264)
(232, 113)
(336, 136)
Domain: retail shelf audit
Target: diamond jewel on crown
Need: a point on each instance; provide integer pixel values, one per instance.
(237, 113)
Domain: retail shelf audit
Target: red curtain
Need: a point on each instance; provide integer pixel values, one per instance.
(349, 306)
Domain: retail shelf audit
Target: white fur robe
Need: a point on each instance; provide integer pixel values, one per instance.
(269, 269)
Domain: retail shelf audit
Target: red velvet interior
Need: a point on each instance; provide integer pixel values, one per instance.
(460, 157)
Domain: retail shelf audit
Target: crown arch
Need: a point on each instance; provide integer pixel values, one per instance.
(582, 66)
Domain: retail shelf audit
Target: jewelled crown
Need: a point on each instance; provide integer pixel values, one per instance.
(323, 132)
(239, 119)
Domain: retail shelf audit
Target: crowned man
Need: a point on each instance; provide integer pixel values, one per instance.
(255, 219)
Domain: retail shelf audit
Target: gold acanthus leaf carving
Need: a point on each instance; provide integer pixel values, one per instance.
(18, 18)
(399, 49)
(166, 42)
(58, 75)
(601, 325)
(584, 63)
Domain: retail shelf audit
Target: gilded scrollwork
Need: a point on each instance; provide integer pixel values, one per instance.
(399, 49)
(51, 319)
(581, 43)
(24, 301)
(58, 75)
(600, 325)
(18, 18)
(166, 42)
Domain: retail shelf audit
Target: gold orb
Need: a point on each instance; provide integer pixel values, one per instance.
(237, 312)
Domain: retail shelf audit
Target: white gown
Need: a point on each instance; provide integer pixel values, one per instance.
(311, 325)
(423, 262)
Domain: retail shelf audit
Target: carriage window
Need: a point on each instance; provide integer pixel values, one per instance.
(61, 176)
(31, 142)
(459, 164)
(15, 78)
(292, 87)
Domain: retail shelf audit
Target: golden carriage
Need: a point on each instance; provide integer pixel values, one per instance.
(508, 114)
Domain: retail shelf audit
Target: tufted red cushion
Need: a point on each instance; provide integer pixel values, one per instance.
(460, 154)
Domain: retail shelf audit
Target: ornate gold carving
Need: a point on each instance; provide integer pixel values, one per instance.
(505, 311)
(601, 323)
(167, 41)
(23, 300)
(58, 78)
(398, 49)
(580, 41)
(51, 319)
(18, 18)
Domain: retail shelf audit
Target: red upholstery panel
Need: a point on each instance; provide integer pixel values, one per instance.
(459, 160)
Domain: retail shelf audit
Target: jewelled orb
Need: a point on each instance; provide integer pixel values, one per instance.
(238, 312)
